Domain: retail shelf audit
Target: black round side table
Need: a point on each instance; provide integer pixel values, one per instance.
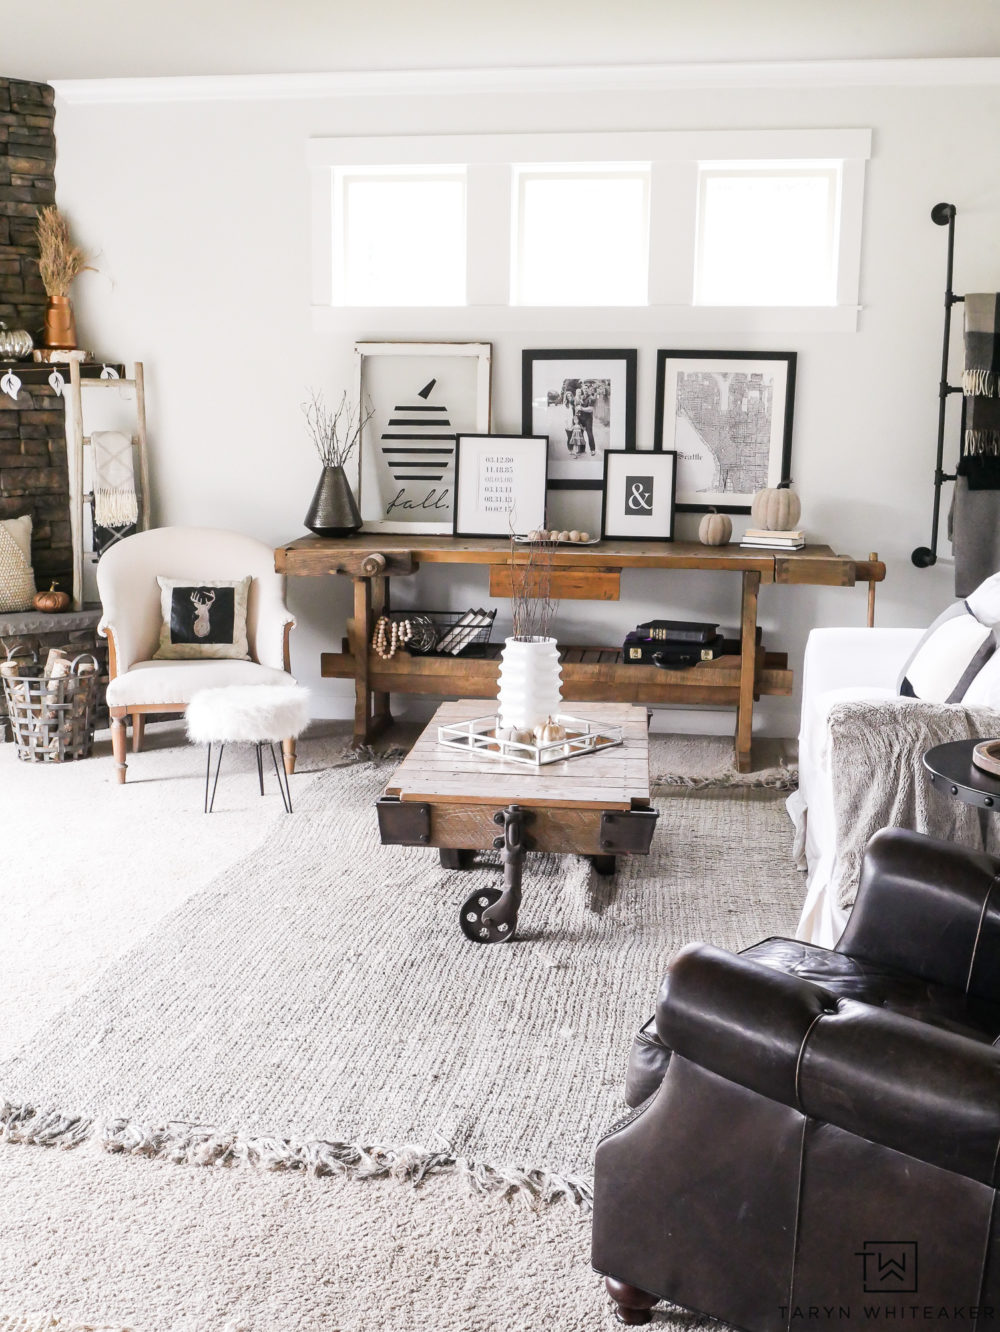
(953, 772)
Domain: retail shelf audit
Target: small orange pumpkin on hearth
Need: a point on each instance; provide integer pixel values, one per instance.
(52, 601)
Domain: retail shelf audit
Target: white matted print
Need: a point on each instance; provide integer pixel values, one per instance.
(584, 403)
(728, 416)
(639, 495)
(500, 484)
(423, 394)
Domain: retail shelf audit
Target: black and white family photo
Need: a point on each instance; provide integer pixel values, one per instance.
(580, 409)
(584, 403)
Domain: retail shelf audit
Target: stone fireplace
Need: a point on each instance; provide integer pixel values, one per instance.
(33, 466)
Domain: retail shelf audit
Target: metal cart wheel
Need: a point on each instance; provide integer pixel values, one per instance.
(486, 931)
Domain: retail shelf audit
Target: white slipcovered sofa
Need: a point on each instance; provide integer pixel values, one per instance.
(840, 666)
(844, 666)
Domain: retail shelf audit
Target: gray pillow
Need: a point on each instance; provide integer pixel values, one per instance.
(948, 657)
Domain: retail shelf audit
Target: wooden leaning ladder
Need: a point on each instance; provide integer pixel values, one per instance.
(77, 440)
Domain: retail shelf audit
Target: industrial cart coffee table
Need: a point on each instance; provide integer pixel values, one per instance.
(596, 805)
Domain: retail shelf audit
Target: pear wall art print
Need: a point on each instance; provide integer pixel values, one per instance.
(422, 395)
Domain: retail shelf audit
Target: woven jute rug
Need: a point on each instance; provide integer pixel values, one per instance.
(318, 1007)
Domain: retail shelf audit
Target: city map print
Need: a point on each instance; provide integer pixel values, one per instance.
(730, 413)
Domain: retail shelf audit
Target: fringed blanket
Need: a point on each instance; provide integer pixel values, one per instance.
(115, 501)
(879, 780)
(982, 346)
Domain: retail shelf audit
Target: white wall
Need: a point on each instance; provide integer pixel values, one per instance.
(199, 215)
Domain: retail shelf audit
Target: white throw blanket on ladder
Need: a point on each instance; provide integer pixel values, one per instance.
(115, 502)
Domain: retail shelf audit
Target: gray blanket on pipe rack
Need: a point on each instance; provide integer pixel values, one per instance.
(879, 780)
(974, 520)
(974, 532)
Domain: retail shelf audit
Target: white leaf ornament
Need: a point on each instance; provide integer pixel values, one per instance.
(109, 372)
(57, 382)
(10, 384)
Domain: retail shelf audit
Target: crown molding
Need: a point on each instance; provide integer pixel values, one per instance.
(970, 71)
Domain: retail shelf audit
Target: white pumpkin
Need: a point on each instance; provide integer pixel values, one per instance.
(549, 732)
(776, 510)
(715, 529)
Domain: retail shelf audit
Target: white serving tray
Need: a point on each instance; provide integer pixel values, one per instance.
(478, 736)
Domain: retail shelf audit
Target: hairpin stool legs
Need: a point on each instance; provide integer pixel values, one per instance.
(209, 802)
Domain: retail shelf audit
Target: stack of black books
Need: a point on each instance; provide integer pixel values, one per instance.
(673, 644)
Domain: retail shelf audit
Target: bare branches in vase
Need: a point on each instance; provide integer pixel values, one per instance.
(335, 433)
(531, 602)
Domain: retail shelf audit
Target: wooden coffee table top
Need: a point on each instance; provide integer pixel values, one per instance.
(616, 778)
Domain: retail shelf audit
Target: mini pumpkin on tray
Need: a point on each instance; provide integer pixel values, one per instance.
(53, 601)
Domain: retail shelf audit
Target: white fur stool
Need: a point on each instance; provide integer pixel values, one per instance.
(250, 715)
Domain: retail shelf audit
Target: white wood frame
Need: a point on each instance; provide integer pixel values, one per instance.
(483, 351)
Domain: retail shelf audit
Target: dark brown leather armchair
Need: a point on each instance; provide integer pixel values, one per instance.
(817, 1135)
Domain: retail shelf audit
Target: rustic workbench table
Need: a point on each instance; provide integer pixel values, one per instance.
(588, 573)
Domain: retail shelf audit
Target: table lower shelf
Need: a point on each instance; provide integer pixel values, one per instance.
(589, 674)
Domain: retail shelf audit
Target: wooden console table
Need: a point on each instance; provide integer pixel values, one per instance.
(589, 573)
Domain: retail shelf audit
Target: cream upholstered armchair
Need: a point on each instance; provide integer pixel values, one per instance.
(130, 597)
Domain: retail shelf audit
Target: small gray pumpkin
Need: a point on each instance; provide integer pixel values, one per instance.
(15, 343)
(776, 510)
(715, 529)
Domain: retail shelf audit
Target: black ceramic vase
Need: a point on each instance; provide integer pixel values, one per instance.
(333, 511)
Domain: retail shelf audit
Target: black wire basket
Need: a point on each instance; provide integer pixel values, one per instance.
(448, 633)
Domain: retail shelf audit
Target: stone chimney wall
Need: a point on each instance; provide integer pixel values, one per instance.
(33, 475)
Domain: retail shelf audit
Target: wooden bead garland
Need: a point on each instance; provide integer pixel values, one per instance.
(389, 635)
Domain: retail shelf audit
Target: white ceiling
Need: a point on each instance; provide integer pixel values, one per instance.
(64, 39)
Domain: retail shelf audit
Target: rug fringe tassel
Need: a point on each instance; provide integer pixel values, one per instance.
(193, 1144)
(770, 779)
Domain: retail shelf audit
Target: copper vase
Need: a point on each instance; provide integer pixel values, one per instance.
(60, 327)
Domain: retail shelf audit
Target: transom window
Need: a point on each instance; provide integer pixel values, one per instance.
(692, 230)
(767, 233)
(580, 235)
(399, 236)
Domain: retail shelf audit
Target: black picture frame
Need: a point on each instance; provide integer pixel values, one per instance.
(629, 357)
(540, 440)
(657, 460)
(777, 467)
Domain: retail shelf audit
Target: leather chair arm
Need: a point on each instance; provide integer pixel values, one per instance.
(738, 1018)
(922, 1091)
(883, 1076)
(925, 907)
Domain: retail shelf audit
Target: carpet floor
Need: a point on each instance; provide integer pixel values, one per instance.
(269, 1011)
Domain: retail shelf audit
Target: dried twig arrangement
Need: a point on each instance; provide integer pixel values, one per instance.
(335, 434)
(531, 603)
(59, 260)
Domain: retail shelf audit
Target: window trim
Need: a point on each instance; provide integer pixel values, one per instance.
(673, 154)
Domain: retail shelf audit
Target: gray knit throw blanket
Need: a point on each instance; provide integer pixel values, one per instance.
(879, 780)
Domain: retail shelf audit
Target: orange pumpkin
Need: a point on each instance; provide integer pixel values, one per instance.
(52, 601)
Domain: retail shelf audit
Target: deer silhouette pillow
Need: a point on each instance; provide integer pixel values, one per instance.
(203, 619)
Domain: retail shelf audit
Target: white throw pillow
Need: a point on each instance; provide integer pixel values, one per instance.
(17, 578)
(984, 603)
(203, 618)
(948, 658)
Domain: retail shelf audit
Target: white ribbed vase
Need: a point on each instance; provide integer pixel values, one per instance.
(530, 682)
